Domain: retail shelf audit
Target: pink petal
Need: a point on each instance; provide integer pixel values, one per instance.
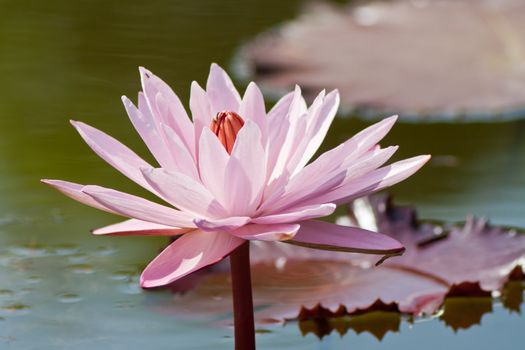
(145, 125)
(281, 108)
(324, 235)
(213, 160)
(368, 138)
(252, 108)
(168, 143)
(291, 147)
(245, 172)
(350, 150)
(167, 147)
(221, 92)
(292, 197)
(134, 227)
(74, 191)
(183, 161)
(167, 108)
(138, 208)
(200, 110)
(221, 225)
(115, 153)
(189, 253)
(368, 161)
(375, 181)
(275, 232)
(277, 117)
(297, 214)
(283, 145)
(302, 139)
(184, 193)
(318, 124)
(314, 181)
(280, 119)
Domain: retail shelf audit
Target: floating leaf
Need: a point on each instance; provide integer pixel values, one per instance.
(465, 263)
(432, 59)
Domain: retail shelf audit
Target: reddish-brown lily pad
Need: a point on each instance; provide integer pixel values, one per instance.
(472, 262)
(422, 59)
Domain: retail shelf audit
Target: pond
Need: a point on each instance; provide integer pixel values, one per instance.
(61, 288)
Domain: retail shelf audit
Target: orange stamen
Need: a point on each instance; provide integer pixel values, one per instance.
(226, 126)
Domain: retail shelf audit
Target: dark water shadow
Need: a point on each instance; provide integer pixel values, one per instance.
(458, 313)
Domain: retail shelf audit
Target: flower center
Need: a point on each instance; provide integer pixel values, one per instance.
(226, 126)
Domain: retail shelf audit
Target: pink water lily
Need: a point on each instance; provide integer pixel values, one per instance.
(235, 172)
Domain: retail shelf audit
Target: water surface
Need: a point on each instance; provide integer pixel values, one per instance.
(61, 288)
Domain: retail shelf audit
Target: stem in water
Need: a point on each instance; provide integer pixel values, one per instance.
(242, 298)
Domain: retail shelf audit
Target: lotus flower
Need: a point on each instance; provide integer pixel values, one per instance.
(235, 173)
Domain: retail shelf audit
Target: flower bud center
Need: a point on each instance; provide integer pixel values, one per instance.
(226, 126)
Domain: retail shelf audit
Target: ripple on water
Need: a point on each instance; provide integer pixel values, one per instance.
(69, 298)
(6, 220)
(124, 304)
(15, 309)
(5, 259)
(104, 251)
(33, 279)
(29, 250)
(6, 293)
(77, 258)
(24, 291)
(81, 268)
(131, 288)
(65, 250)
(124, 275)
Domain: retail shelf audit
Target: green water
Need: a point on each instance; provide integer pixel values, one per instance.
(61, 288)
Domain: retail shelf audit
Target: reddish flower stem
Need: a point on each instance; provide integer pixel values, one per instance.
(242, 298)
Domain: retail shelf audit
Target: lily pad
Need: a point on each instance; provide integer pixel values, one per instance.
(422, 59)
(472, 261)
